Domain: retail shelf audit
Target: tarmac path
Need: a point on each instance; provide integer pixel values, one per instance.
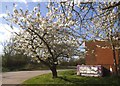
(20, 76)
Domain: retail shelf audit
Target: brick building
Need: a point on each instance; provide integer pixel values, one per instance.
(100, 53)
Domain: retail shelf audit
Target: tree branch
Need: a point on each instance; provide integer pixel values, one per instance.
(49, 49)
(112, 6)
(44, 62)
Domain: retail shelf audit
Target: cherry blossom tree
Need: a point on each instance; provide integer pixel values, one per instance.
(46, 39)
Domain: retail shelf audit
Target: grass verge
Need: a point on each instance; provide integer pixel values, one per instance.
(70, 78)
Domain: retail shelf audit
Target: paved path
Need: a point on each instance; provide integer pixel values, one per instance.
(20, 76)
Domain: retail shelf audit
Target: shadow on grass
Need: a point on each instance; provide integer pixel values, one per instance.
(91, 80)
(72, 80)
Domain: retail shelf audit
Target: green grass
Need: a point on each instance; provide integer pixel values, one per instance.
(70, 78)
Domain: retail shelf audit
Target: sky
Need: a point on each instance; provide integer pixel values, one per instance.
(5, 31)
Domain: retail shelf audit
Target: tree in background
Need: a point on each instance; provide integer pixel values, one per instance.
(11, 59)
(74, 60)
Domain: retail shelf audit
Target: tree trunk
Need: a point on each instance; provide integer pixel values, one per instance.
(54, 71)
(119, 61)
(114, 53)
(115, 62)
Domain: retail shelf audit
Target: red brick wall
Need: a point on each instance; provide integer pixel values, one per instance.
(96, 55)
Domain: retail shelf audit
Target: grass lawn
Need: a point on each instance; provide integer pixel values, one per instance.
(70, 78)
